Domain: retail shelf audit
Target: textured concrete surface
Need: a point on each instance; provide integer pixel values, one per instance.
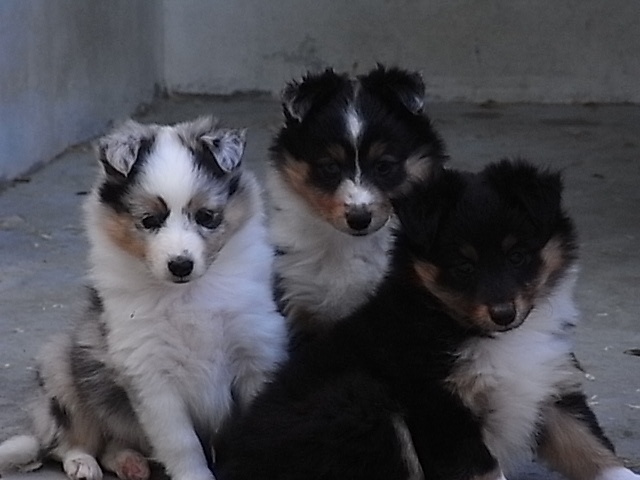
(43, 249)
(522, 51)
(67, 68)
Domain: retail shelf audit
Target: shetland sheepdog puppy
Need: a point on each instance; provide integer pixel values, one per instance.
(459, 367)
(181, 325)
(347, 146)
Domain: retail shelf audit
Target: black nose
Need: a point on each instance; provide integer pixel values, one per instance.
(502, 313)
(181, 266)
(358, 219)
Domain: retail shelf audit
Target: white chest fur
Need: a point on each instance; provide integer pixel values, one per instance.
(323, 272)
(508, 378)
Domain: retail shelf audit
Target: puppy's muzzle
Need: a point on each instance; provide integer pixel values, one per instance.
(358, 218)
(180, 267)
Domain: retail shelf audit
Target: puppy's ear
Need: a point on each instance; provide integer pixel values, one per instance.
(537, 191)
(423, 208)
(298, 98)
(219, 150)
(119, 150)
(397, 85)
(227, 147)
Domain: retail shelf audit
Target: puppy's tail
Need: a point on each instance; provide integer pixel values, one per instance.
(22, 452)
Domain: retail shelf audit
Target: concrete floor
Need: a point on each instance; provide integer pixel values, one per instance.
(43, 249)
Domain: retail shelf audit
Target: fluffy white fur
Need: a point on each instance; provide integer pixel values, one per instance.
(517, 372)
(327, 272)
(184, 346)
(185, 352)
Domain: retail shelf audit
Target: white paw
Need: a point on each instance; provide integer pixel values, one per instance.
(130, 465)
(618, 473)
(82, 466)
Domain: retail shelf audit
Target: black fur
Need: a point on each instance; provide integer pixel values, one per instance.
(58, 413)
(116, 185)
(389, 102)
(330, 412)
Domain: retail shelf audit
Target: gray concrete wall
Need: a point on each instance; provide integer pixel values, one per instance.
(68, 67)
(472, 50)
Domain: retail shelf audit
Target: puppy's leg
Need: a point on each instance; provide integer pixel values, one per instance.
(257, 353)
(573, 443)
(78, 444)
(126, 463)
(170, 431)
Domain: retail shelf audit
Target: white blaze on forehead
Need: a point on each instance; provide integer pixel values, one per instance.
(354, 194)
(169, 172)
(354, 124)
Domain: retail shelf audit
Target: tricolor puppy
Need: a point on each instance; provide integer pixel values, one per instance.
(181, 325)
(459, 367)
(347, 146)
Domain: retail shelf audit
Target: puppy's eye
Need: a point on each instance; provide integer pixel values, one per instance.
(385, 165)
(153, 222)
(329, 169)
(518, 258)
(208, 218)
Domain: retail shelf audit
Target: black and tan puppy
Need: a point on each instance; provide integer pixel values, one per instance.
(459, 367)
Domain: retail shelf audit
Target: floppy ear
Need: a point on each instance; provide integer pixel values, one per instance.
(226, 146)
(298, 98)
(537, 191)
(397, 85)
(219, 149)
(119, 150)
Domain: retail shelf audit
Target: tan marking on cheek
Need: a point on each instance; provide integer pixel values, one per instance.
(455, 303)
(427, 272)
(122, 231)
(481, 317)
(552, 257)
(552, 262)
(571, 449)
(418, 168)
(330, 208)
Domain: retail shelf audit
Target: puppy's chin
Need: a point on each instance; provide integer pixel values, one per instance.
(507, 328)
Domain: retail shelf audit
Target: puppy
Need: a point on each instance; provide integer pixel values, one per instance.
(459, 367)
(347, 146)
(181, 325)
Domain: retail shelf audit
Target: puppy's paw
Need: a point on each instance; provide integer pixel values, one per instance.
(618, 473)
(130, 465)
(82, 466)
